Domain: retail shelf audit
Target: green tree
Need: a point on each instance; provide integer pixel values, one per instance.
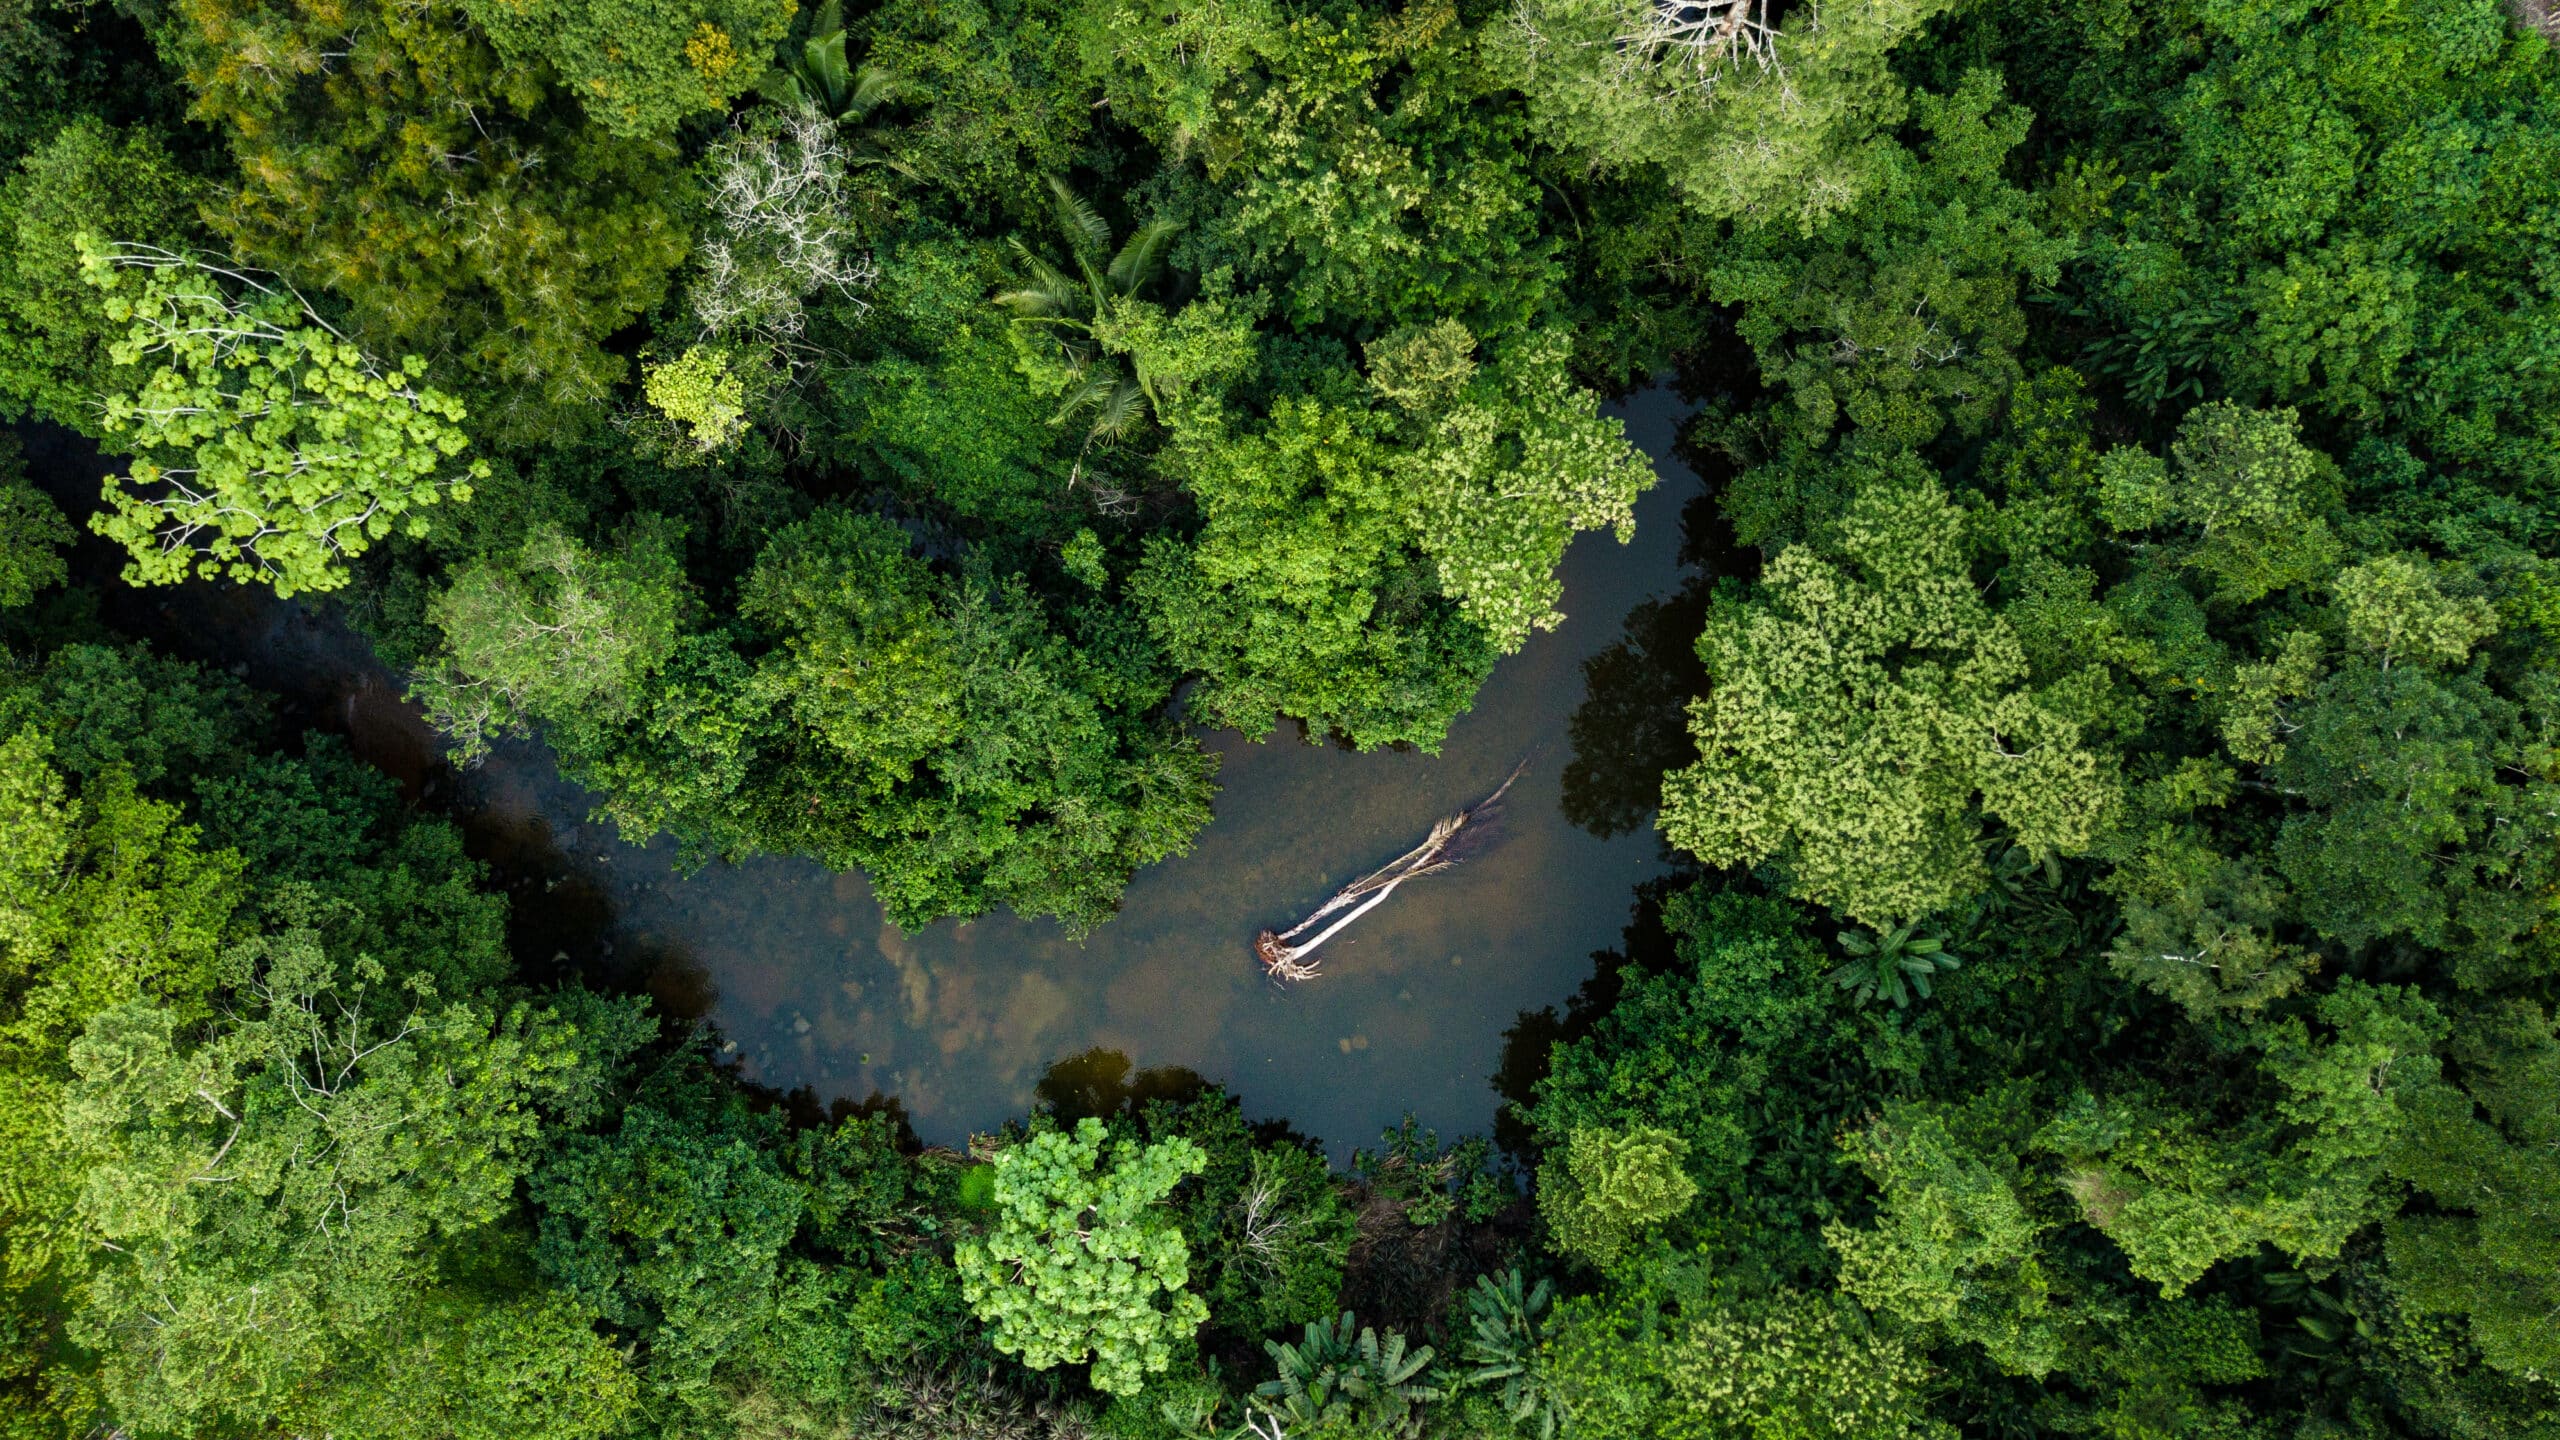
(1862, 717)
(1788, 1364)
(2296, 240)
(460, 206)
(1067, 312)
(674, 1227)
(32, 533)
(1079, 1252)
(270, 448)
(553, 628)
(1900, 314)
(640, 66)
(1360, 571)
(867, 662)
(277, 1194)
(1755, 114)
(2247, 507)
(1504, 1321)
(1954, 1245)
(2178, 1193)
(2481, 1152)
(1609, 1187)
(55, 336)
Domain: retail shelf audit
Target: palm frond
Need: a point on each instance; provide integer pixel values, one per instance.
(873, 87)
(1142, 259)
(1050, 295)
(1120, 410)
(1094, 389)
(1086, 232)
(826, 72)
(782, 85)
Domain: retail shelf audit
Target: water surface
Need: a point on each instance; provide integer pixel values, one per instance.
(798, 971)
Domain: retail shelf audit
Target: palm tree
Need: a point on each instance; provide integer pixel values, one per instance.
(817, 76)
(1070, 306)
(1880, 964)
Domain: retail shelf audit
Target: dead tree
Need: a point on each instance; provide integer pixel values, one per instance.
(1285, 961)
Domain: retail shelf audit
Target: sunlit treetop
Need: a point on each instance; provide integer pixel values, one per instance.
(268, 448)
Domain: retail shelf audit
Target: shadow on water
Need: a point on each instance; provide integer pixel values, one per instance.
(1098, 1084)
(817, 998)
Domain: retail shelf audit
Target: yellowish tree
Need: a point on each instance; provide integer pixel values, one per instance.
(1866, 716)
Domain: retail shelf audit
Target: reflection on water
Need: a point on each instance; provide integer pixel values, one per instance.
(798, 970)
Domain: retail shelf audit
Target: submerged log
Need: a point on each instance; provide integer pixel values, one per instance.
(1285, 961)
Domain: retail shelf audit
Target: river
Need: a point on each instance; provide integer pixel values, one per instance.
(959, 1024)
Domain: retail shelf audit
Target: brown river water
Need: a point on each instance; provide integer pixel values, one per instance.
(959, 1023)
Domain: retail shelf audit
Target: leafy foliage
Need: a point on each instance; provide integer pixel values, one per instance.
(32, 534)
(1862, 715)
(1329, 1381)
(638, 68)
(1609, 1187)
(1078, 1255)
(462, 208)
(2142, 415)
(272, 449)
(1501, 1344)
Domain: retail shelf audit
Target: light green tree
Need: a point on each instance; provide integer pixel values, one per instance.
(1358, 568)
(1504, 468)
(278, 1194)
(553, 628)
(699, 392)
(2243, 502)
(2179, 1192)
(1865, 717)
(1609, 1187)
(1954, 1244)
(1751, 120)
(268, 448)
(2396, 607)
(1079, 1253)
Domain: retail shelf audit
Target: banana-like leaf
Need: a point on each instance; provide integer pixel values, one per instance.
(1095, 389)
(1120, 410)
(782, 86)
(1049, 296)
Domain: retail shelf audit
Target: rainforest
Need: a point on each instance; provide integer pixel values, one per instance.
(681, 682)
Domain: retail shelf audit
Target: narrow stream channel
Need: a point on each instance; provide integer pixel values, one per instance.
(960, 1023)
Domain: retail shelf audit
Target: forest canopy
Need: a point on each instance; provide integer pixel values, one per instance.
(2105, 983)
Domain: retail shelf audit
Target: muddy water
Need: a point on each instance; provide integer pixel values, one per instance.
(798, 971)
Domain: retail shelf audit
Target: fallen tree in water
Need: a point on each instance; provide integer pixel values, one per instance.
(1286, 961)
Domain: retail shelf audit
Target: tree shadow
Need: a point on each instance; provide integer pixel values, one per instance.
(1098, 1084)
(1529, 1045)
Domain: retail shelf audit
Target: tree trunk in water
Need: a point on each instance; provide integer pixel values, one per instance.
(1284, 961)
